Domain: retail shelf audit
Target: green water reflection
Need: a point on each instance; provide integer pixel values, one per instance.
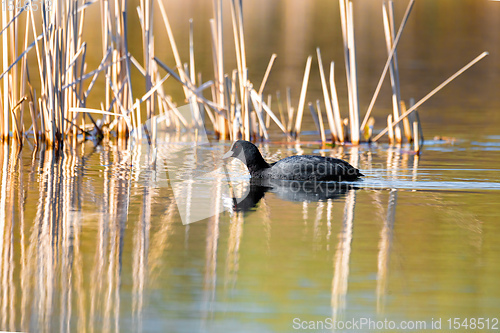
(92, 241)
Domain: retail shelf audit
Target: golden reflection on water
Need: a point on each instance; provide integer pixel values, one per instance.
(384, 246)
(49, 261)
(54, 277)
(8, 291)
(342, 258)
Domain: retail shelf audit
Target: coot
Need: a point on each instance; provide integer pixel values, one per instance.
(300, 167)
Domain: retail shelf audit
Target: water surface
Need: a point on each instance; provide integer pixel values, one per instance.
(92, 238)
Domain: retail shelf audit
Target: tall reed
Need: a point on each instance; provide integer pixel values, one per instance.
(57, 103)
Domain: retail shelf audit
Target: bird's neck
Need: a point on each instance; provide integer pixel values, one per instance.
(258, 165)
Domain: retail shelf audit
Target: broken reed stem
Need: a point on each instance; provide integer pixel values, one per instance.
(290, 110)
(15, 124)
(255, 96)
(34, 122)
(268, 117)
(258, 104)
(266, 75)
(416, 139)
(433, 92)
(321, 125)
(326, 96)
(335, 104)
(314, 115)
(300, 109)
(406, 123)
(390, 126)
(420, 131)
(60, 54)
(280, 107)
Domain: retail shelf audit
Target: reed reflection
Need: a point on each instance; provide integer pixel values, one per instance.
(342, 258)
(10, 168)
(106, 271)
(396, 161)
(61, 289)
(48, 247)
(57, 288)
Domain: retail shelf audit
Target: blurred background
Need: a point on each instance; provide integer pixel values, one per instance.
(440, 38)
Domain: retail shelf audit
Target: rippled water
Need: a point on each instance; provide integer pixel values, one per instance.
(93, 240)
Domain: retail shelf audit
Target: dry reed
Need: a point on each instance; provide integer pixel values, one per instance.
(58, 106)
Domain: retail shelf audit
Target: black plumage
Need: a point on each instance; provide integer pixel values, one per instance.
(300, 167)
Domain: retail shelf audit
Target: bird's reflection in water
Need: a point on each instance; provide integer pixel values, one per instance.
(296, 191)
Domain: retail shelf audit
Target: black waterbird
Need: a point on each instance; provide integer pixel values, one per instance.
(299, 167)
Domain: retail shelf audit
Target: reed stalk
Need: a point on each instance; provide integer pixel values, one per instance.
(59, 110)
(321, 125)
(218, 56)
(420, 135)
(255, 96)
(266, 75)
(302, 100)
(173, 44)
(258, 105)
(389, 39)
(148, 51)
(290, 110)
(235, 116)
(220, 51)
(314, 115)
(4, 129)
(416, 140)
(347, 24)
(268, 117)
(192, 69)
(390, 126)
(326, 96)
(354, 106)
(246, 113)
(239, 40)
(433, 92)
(335, 104)
(388, 62)
(280, 107)
(406, 124)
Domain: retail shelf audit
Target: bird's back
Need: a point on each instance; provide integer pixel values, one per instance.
(311, 167)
